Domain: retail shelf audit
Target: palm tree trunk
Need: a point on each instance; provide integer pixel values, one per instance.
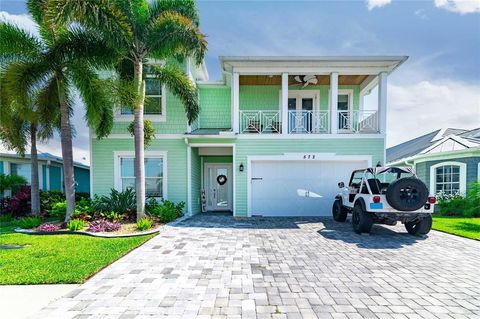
(139, 143)
(67, 152)
(34, 185)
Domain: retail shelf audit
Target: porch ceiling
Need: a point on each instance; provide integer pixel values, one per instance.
(277, 79)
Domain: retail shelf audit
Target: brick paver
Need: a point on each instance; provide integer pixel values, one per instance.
(213, 266)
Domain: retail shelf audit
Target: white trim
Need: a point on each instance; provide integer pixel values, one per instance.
(206, 182)
(382, 102)
(160, 154)
(420, 158)
(333, 102)
(301, 94)
(91, 161)
(318, 157)
(467, 144)
(284, 92)
(189, 180)
(235, 95)
(40, 176)
(463, 175)
(47, 172)
(308, 136)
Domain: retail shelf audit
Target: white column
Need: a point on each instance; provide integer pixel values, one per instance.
(189, 180)
(382, 102)
(235, 102)
(333, 98)
(284, 103)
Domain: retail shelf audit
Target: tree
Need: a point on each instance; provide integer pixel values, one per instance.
(24, 123)
(141, 29)
(63, 58)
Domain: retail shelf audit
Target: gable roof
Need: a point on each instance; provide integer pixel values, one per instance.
(450, 139)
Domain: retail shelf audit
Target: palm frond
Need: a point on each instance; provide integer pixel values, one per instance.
(179, 84)
(102, 15)
(48, 109)
(17, 44)
(186, 8)
(172, 34)
(99, 107)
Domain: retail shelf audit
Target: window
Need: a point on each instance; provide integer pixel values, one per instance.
(344, 107)
(153, 175)
(24, 170)
(447, 179)
(154, 95)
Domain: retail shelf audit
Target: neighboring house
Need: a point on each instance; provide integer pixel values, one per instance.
(50, 171)
(273, 138)
(448, 161)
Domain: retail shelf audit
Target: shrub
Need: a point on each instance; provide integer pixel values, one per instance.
(144, 223)
(457, 205)
(119, 202)
(167, 211)
(29, 222)
(20, 202)
(80, 215)
(48, 227)
(110, 216)
(81, 195)
(102, 225)
(49, 198)
(76, 224)
(59, 210)
(12, 182)
(6, 218)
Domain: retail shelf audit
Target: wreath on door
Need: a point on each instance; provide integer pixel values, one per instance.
(221, 179)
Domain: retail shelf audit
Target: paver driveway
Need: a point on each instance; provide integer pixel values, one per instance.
(213, 266)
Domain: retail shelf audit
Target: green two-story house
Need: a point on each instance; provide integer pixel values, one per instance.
(273, 137)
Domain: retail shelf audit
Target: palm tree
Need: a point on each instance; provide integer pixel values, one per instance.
(24, 123)
(159, 30)
(63, 58)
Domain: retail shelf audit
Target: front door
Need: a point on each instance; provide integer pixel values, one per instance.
(218, 186)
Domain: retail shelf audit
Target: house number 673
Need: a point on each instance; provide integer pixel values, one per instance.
(308, 156)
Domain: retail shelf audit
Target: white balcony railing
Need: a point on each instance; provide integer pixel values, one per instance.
(308, 122)
(260, 122)
(358, 122)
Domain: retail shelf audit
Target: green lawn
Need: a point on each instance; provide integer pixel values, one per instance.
(58, 258)
(465, 227)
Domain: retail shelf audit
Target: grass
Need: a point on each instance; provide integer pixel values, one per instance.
(464, 227)
(49, 259)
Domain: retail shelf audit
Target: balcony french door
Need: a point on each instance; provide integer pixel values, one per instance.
(301, 107)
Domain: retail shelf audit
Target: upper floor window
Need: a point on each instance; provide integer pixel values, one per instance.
(154, 95)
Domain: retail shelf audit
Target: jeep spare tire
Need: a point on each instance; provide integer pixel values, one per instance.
(407, 194)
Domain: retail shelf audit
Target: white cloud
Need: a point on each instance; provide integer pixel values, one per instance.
(371, 4)
(421, 14)
(459, 6)
(425, 106)
(23, 21)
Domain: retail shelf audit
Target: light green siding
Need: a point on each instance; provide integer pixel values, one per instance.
(215, 107)
(196, 181)
(55, 178)
(347, 146)
(103, 164)
(267, 97)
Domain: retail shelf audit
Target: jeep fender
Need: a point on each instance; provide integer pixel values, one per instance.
(361, 201)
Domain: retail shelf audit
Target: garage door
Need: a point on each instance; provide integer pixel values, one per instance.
(297, 188)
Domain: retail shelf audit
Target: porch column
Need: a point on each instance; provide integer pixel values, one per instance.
(382, 102)
(284, 103)
(333, 104)
(235, 102)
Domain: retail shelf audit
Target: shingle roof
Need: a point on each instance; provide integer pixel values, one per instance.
(45, 157)
(419, 144)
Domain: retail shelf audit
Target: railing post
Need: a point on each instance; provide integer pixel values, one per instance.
(333, 101)
(284, 103)
(382, 102)
(235, 102)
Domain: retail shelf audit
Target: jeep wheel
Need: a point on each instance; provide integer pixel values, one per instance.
(339, 212)
(361, 220)
(407, 194)
(419, 227)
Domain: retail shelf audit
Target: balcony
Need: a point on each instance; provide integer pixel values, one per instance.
(309, 122)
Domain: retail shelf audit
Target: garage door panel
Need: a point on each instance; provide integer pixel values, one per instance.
(278, 188)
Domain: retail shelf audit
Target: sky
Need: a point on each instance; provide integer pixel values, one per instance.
(438, 86)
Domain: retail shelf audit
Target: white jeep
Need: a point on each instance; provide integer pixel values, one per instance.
(385, 195)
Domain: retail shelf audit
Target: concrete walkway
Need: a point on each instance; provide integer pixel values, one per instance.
(213, 266)
(21, 301)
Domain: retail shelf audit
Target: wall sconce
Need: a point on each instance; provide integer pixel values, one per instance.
(241, 167)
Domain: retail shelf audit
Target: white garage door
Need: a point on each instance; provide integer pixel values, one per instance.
(298, 188)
